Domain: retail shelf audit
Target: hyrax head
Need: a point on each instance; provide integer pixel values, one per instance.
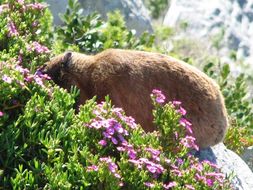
(57, 69)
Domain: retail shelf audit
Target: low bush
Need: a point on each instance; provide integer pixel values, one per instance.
(45, 144)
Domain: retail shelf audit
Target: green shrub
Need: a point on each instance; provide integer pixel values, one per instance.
(44, 144)
(157, 7)
(91, 34)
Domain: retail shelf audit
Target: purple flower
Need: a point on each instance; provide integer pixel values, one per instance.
(210, 164)
(117, 175)
(214, 174)
(37, 6)
(151, 169)
(21, 2)
(145, 160)
(199, 177)
(137, 162)
(176, 172)
(12, 30)
(118, 128)
(110, 130)
(112, 167)
(154, 152)
(155, 168)
(37, 47)
(170, 185)
(209, 182)
(121, 149)
(185, 123)
(176, 103)
(122, 139)
(105, 159)
(42, 76)
(180, 161)
(132, 154)
(1, 114)
(148, 184)
(92, 168)
(39, 81)
(102, 142)
(159, 97)
(118, 112)
(198, 167)
(189, 187)
(106, 135)
(130, 121)
(189, 142)
(96, 124)
(182, 111)
(29, 78)
(7, 79)
(114, 140)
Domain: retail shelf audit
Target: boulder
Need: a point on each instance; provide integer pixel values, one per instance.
(226, 24)
(247, 156)
(134, 11)
(230, 163)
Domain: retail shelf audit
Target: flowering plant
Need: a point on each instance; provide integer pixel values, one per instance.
(44, 144)
(21, 51)
(121, 155)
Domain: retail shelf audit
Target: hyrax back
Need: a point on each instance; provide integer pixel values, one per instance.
(129, 77)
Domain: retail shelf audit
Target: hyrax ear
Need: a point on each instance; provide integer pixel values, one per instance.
(67, 59)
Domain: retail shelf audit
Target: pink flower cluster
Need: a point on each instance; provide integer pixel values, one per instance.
(38, 48)
(113, 168)
(36, 6)
(38, 77)
(189, 142)
(152, 166)
(114, 133)
(111, 165)
(112, 130)
(159, 97)
(7, 79)
(12, 30)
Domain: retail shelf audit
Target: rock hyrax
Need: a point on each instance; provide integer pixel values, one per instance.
(129, 77)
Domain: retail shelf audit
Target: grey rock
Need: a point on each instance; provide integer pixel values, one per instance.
(230, 163)
(247, 156)
(134, 11)
(57, 7)
(206, 19)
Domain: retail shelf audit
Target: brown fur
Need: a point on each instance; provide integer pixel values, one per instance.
(128, 77)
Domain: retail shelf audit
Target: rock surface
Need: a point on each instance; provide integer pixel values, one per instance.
(248, 157)
(228, 23)
(229, 162)
(134, 12)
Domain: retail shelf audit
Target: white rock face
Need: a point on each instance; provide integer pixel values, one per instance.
(229, 162)
(209, 19)
(134, 12)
